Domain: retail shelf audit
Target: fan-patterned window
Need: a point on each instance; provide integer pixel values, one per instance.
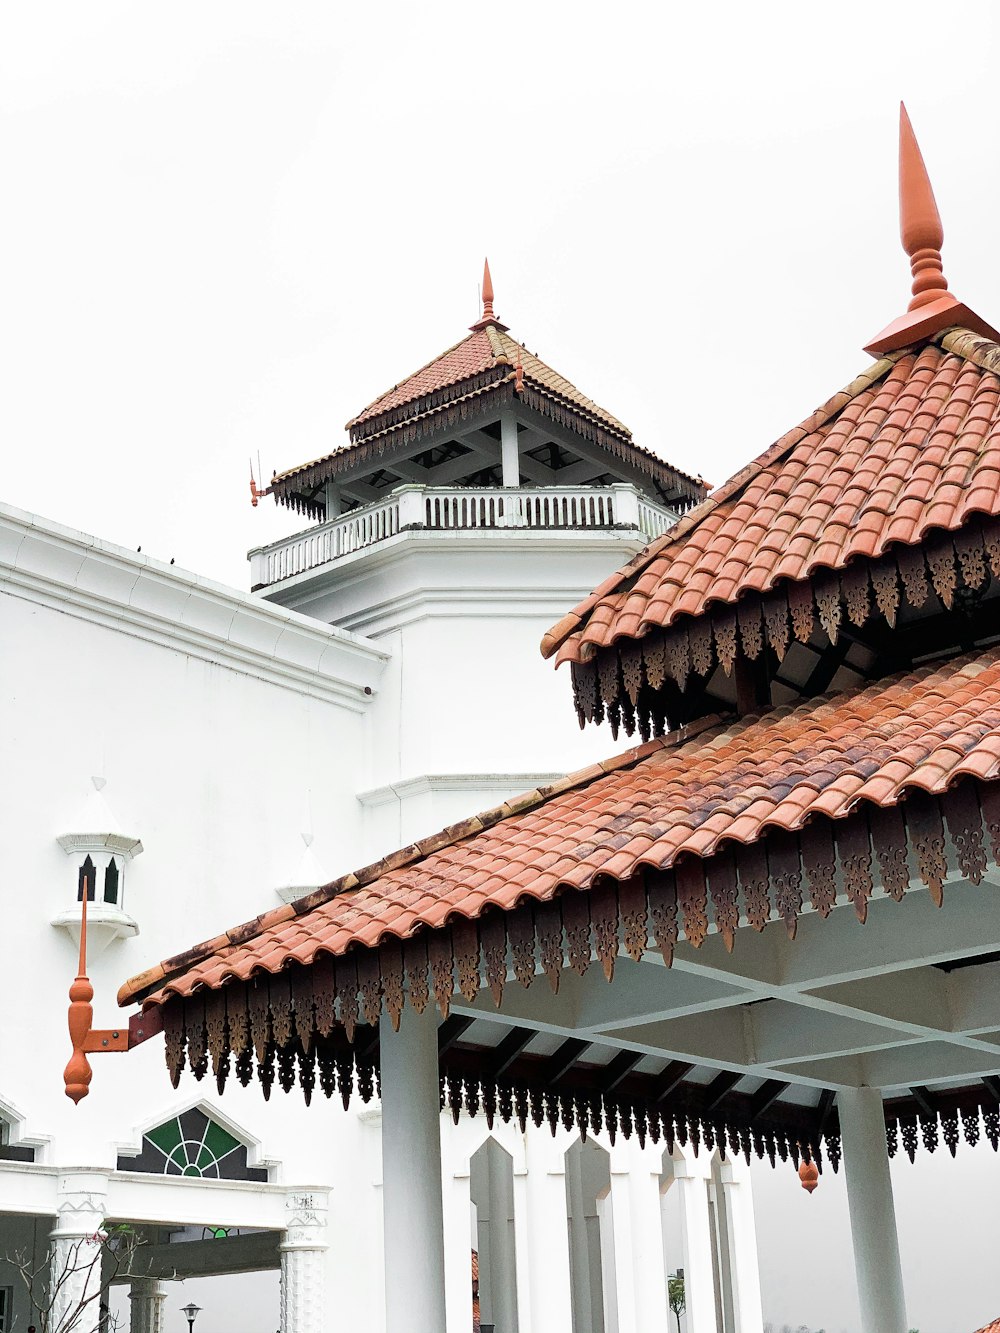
(192, 1144)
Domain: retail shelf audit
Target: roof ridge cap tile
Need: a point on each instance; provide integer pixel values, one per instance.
(136, 986)
(554, 637)
(982, 352)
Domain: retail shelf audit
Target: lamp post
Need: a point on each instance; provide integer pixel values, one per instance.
(191, 1313)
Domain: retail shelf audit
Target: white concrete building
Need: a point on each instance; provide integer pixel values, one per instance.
(196, 752)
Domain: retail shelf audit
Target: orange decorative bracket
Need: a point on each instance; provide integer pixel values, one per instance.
(257, 495)
(88, 1040)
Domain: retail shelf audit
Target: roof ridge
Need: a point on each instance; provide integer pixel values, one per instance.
(563, 628)
(473, 333)
(960, 341)
(592, 407)
(416, 851)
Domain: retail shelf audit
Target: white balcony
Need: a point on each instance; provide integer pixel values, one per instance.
(457, 508)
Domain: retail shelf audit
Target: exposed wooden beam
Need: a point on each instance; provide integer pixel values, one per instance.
(558, 1065)
(826, 1100)
(618, 1069)
(675, 1073)
(828, 665)
(509, 1049)
(922, 1096)
(451, 1030)
(720, 1088)
(766, 1095)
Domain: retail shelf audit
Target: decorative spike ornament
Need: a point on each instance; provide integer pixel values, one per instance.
(808, 1176)
(920, 227)
(932, 307)
(488, 318)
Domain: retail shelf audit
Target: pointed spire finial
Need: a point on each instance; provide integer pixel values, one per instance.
(932, 308)
(487, 318)
(919, 220)
(487, 291)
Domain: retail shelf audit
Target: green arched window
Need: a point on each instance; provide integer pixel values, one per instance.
(192, 1144)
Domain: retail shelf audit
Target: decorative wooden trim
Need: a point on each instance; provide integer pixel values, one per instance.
(320, 1023)
(946, 566)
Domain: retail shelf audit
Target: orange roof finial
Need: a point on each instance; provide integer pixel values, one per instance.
(932, 308)
(487, 291)
(488, 317)
(919, 220)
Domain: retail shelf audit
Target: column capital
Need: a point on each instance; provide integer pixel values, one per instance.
(81, 1203)
(689, 1167)
(306, 1214)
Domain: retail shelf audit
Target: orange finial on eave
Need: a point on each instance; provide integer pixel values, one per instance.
(932, 307)
(920, 227)
(488, 317)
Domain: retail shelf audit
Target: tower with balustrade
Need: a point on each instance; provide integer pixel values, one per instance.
(474, 501)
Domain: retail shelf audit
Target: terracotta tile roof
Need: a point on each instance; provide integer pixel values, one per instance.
(484, 349)
(483, 363)
(685, 793)
(991, 1328)
(913, 444)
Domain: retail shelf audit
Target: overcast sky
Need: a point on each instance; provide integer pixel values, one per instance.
(227, 227)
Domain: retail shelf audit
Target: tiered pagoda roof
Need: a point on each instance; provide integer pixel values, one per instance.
(486, 372)
(816, 650)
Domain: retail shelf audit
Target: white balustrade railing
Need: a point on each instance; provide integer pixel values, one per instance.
(459, 508)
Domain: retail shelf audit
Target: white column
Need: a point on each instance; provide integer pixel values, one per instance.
(873, 1215)
(741, 1239)
(502, 1267)
(511, 472)
(77, 1251)
(303, 1263)
(458, 1246)
(146, 1296)
(691, 1176)
(541, 1237)
(413, 1215)
(638, 1238)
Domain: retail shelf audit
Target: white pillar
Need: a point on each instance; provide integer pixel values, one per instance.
(303, 1263)
(541, 1237)
(76, 1252)
(146, 1296)
(873, 1215)
(413, 1215)
(508, 451)
(691, 1175)
(502, 1267)
(579, 1244)
(457, 1203)
(638, 1238)
(741, 1240)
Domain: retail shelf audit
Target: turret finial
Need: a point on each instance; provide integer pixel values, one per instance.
(487, 291)
(919, 220)
(488, 317)
(932, 308)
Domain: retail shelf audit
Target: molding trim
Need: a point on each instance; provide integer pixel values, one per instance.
(425, 784)
(72, 572)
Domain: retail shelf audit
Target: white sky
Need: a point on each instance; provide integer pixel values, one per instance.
(226, 227)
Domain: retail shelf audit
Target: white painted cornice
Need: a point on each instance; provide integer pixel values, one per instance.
(426, 783)
(54, 566)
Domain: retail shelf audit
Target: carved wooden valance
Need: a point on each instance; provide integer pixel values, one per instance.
(636, 683)
(319, 1022)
